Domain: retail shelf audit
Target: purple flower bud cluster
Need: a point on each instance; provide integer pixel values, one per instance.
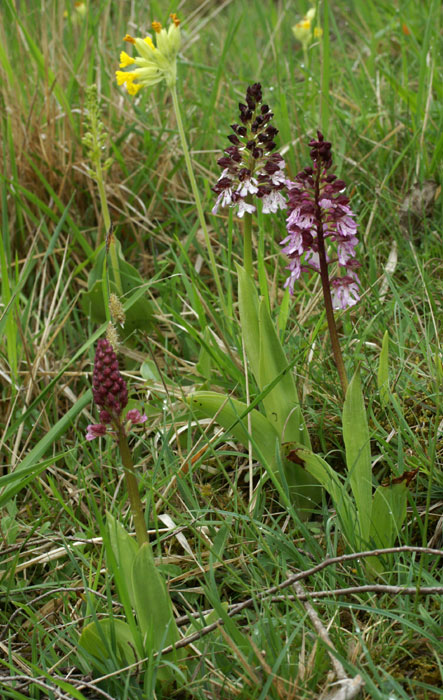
(110, 392)
(108, 386)
(249, 166)
(319, 212)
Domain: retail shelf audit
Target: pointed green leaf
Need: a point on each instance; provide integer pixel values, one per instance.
(281, 404)
(204, 364)
(248, 309)
(358, 454)
(101, 638)
(125, 549)
(232, 414)
(327, 477)
(153, 608)
(283, 314)
(383, 371)
(388, 514)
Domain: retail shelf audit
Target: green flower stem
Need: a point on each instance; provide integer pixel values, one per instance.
(324, 273)
(247, 244)
(107, 221)
(196, 194)
(132, 488)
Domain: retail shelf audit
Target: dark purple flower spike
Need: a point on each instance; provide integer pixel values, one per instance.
(110, 392)
(250, 169)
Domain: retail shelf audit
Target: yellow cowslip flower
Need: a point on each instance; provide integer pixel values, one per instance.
(155, 62)
(80, 11)
(303, 30)
(80, 8)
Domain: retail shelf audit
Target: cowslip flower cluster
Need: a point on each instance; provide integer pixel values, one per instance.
(319, 215)
(250, 169)
(155, 62)
(80, 10)
(110, 393)
(303, 29)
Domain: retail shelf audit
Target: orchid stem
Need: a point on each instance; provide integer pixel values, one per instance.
(247, 244)
(99, 176)
(132, 488)
(324, 274)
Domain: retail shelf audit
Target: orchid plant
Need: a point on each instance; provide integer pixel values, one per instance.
(253, 173)
(321, 238)
(132, 562)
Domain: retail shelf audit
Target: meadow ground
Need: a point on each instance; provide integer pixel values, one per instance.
(224, 527)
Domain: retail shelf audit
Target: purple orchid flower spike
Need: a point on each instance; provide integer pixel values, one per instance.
(110, 394)
(321, 231)
(250, 169)
(321, 220)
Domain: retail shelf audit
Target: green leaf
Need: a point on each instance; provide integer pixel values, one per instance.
(281, 404)
(149, 371)
(358, 455)
(248, 309)
(154, 609)
(138, 310)
(283, 313)
(388, 514)
(329, 479)
(105, 638)
(125, 549)
(204, 364)
(232, 414)
(383, 371)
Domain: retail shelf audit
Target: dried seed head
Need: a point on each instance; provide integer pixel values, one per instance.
(116, 309)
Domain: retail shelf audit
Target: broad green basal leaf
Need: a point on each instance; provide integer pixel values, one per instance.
(109, 637)
(125, 549)
(281, 404)
(154, 609)
(358, 455)
(248, 309)
(233, 415)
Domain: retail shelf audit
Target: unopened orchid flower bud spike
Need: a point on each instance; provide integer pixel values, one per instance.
(110, 394)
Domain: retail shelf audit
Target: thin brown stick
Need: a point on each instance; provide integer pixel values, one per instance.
(349, 687)
(321, 630)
